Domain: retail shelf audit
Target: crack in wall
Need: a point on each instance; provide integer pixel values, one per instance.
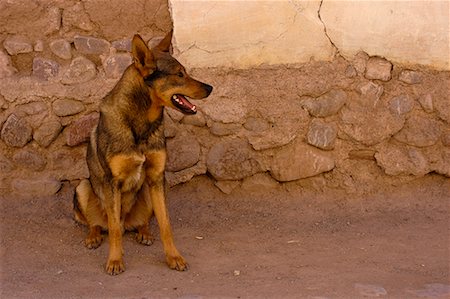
(336, 49)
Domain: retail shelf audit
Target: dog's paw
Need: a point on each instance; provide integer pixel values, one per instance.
(93, 242)
(143, 238)
(114, 267)
(177, 263)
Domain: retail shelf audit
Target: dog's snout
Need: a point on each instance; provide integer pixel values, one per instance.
(208, 89)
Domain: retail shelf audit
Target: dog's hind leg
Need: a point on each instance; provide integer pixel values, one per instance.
(88, 211)
(139, 216)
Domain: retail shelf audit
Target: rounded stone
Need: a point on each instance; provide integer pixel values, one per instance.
(16, 131)
(232, 160)
(182, 152)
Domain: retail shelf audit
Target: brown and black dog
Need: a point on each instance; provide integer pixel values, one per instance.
(126, 154)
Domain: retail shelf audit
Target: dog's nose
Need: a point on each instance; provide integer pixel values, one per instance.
(208, 88)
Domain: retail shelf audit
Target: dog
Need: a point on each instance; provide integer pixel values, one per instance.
(126, 154)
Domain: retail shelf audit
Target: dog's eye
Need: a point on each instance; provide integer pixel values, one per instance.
(180, 74)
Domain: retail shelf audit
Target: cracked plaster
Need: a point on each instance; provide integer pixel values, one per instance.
(243, 34)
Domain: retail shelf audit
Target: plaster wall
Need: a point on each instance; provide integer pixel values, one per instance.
(242, 34)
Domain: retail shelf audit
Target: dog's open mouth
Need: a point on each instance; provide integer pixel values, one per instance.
(183, 104)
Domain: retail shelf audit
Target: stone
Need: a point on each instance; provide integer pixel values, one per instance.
(360, 61)
(5, 164)
(426, 101)
(175, 115)
(259, 182)
(232, 160)
(91, 45)
(34, 113)
(419, 131)
(6, 68)
(80, 70)
(61, 48)
(197, 119)
(350, 72)
(398, 160)
(17, 44)
(225, 110)
(286, 122)
(446, 138)
(221, 129)
(182, 152)
(432, 290)
(185, 175)
(378, 68)
(30, 159)
(122, 44)
(277, 135)
(45, 69)
(32, 108)
(226, 186)
(154, 41)
(322, 135)
(362, 154)
(47, 132)
(80, 130)
(410, 77)
(441, 106)
(440, 162)
(369, 290)
(170, 128)
(36, 120)
(16, 131)
(256, 124)
(54, 20)
(298, 161)
(76, 16)
(401, 104)
(66, 107)
(3, 104)
(36, 187)
(370, 94)
(369, 127)
(39, 46)
(325, 105)
(68, 163)
(115, 64)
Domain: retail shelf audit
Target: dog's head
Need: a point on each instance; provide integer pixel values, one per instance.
(166, 78)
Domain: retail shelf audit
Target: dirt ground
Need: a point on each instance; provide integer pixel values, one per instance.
(284, 243)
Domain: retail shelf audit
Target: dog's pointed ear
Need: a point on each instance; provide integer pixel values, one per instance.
(142, 56)
(164, 44)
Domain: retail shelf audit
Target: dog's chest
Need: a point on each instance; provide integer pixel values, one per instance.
(128, 171)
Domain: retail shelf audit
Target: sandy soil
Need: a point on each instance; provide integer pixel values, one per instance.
(285, 243)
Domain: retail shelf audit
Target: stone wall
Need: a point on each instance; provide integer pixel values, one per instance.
(57, 60)
(356, 123)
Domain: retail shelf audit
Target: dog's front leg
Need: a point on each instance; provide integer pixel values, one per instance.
(115, 263)
(155, 176)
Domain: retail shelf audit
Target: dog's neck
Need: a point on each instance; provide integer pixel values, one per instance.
(143, 98)
(155, 111)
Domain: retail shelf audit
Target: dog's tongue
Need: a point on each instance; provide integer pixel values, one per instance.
(183, 104)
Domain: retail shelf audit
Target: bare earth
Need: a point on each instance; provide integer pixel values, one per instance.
(284, 243)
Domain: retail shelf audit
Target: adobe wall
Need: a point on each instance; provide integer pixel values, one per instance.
(355, 122)
(243, 34)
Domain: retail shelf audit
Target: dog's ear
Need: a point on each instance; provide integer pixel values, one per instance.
(164, 44)
(142, 56)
